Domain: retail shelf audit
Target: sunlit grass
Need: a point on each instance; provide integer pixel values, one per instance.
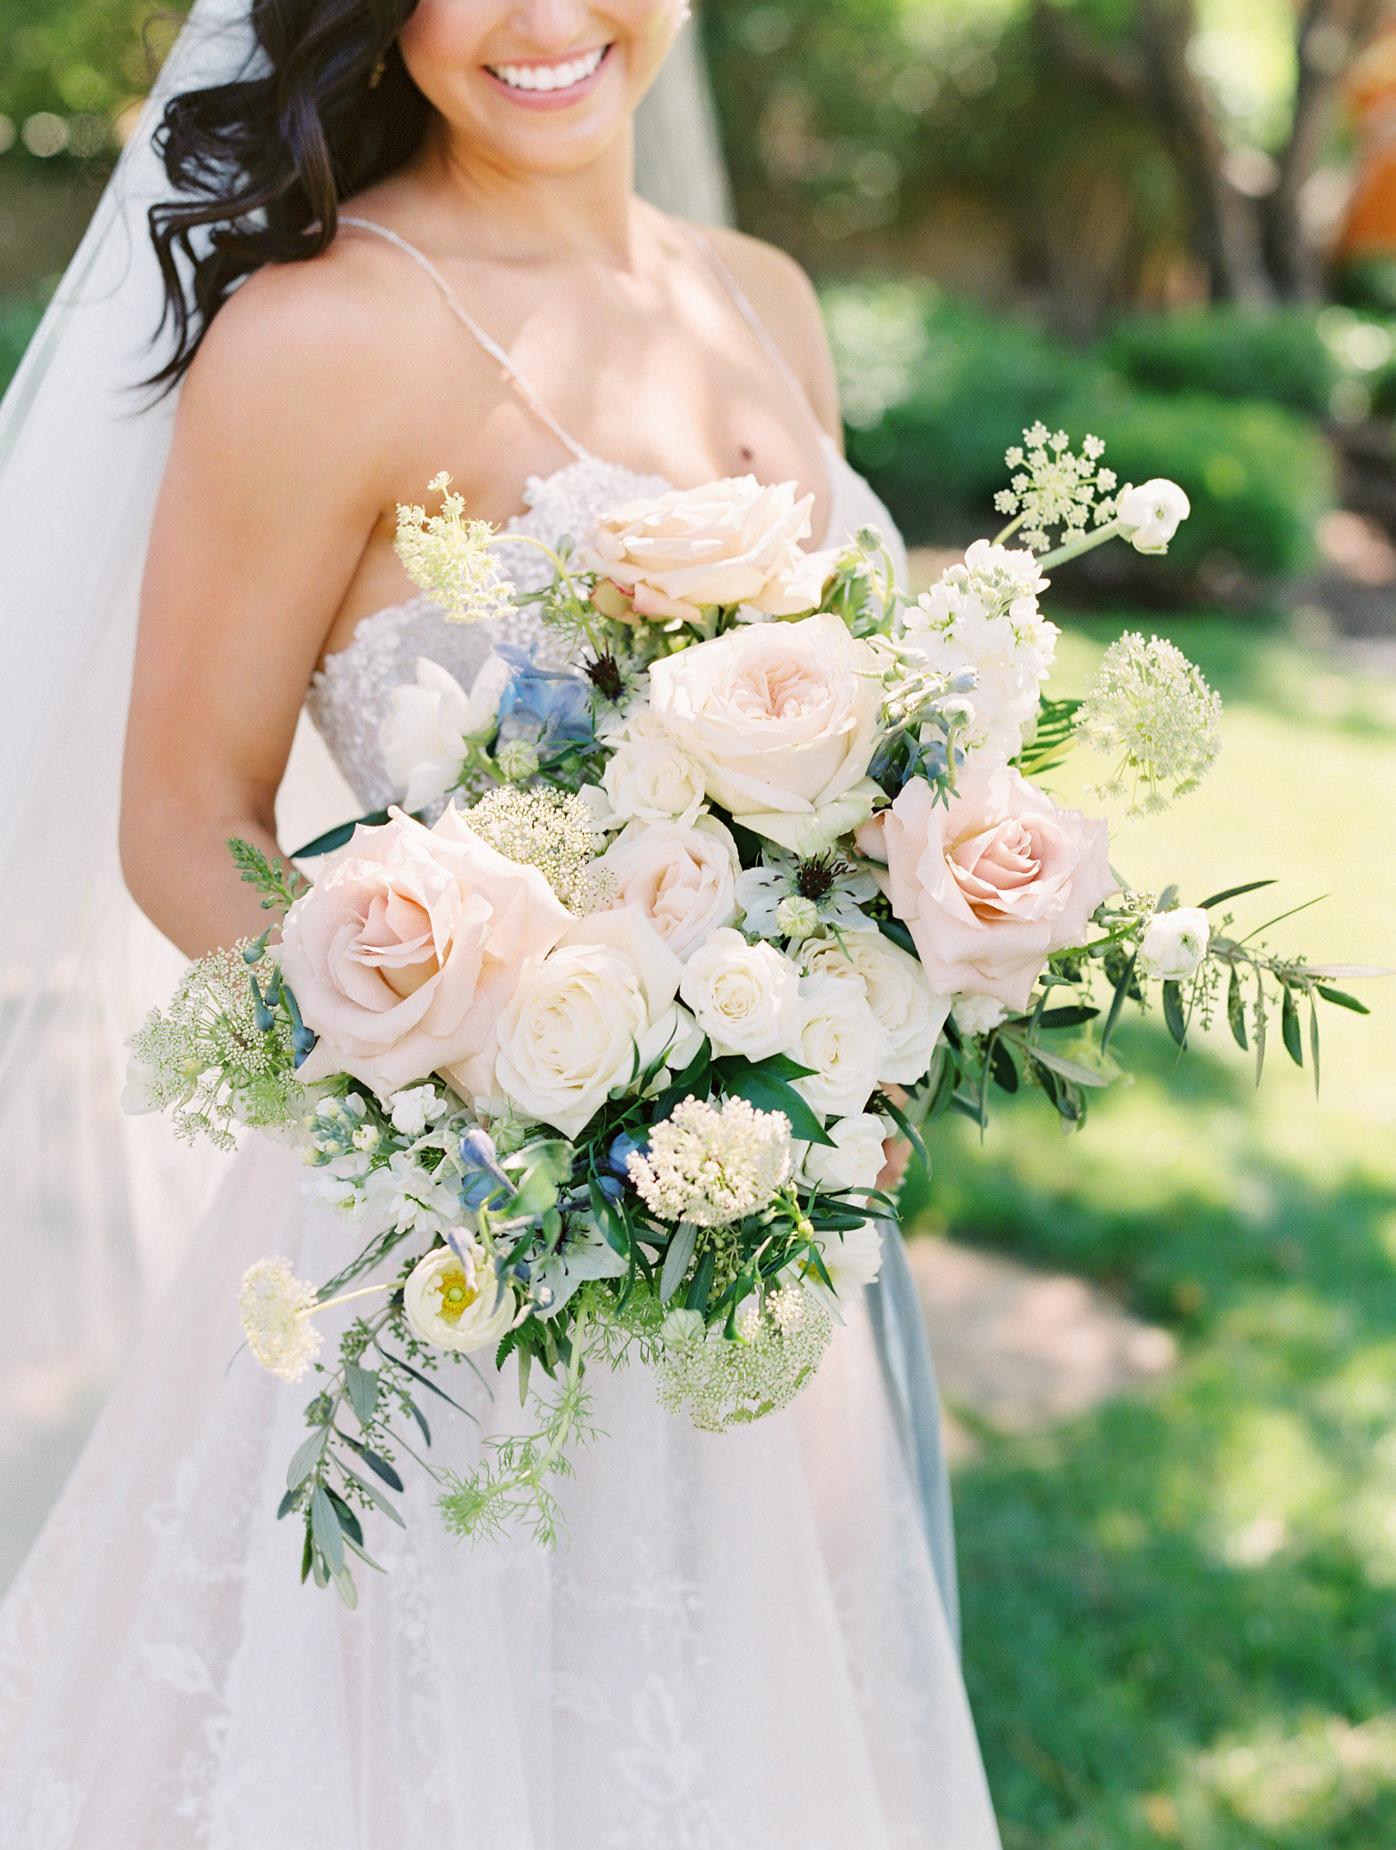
(1179, 1615)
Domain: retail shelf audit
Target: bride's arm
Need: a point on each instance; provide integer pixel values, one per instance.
(282, 447)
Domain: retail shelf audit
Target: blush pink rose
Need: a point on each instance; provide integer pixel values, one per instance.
(992, 882)
(405, 951)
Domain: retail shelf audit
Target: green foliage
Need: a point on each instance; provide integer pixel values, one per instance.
(1228, 352)
(83, 60)
(19, 316)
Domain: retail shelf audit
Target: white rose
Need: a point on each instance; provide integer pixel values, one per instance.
(1174, 943)
(784, 719)
(683, 877)
(581, 1017)
(840, 1040)
(745, 997)
(897, 992)
(430, 723)
(456, 1303)
(730, 542)
(854, 1159)
(1149, 516)
(649, 777)
(852, 1260)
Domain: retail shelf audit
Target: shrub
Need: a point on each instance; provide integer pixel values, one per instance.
(1230, 353)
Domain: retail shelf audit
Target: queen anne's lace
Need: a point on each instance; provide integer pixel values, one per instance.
(713, 1165)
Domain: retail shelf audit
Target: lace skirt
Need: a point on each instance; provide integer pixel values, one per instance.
(742, 1644)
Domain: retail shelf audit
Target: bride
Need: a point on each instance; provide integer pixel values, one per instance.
(745, 1641)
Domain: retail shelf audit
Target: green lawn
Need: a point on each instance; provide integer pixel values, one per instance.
(1180, 1612)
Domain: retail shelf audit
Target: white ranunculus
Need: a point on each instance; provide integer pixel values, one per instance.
(431, 722)
(1150, 515)
(852, 1260)
(897, 992)
(840, 1040)
(729, 542)
(456, 1302)
(649, 777)
(682, 876)
(784, 720)
(854, 1159)
(1174, 943)
(584, 1015)
(745, 997)
(978, 1014)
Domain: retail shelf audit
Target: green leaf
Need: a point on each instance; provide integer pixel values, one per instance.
(419, 1417)
(947, 1077)
(1342, 999)
(338, 836)
(305, 1459)
(1261, 1026)
(1233, 892)
(1070, 1070)
(375, 1462)
(611, 1221)
(374, 1495)
(344, 1586)
(681, 1245)
(767, 1092)
(1173, 1012)
(1074, 1017)
(348, 1521)
(899, 935)
(702, 1284)
(426, 1381)
(307, 1556)
(362, 1387)
(904, 1125)
(324, 1526)
(1289, 1027)
(286, 1505)
(1313, 1040)
(1117, 1001)
(1236, 1010)
(1001, 1065)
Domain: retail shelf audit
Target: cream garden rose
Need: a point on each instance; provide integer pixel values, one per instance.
(840, 1041)
(430, 724)
(855, 1157)
(745, 997)
(648, 778)
(729, 542)
(783, 718)
(582, 1017)
(454, 1300)
(908, 1013)
(404, 952)
(990, 882)
(683, 877)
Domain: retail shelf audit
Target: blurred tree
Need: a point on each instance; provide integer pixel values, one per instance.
(75, 65)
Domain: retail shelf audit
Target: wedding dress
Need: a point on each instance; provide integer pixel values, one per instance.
(745, 1642)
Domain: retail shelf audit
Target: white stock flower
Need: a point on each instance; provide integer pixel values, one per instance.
(403, 1195)
(1174, 943)
(784, 719)
(649, 777)
(454, 1301)
(682, 876)
(854, 1159)
(713, 1165)
(897, 992)
(1151, 514)
(978, 1014)
(587, 1018)
(983, 615)
(745, 997)
(275, 1307)
(840, 1040)
(430, 724)
(414, 1109)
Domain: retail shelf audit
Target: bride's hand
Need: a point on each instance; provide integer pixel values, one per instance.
(896, 1151)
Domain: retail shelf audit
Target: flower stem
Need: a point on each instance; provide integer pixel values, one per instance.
(1087, 543)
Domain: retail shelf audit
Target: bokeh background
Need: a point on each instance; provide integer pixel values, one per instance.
(1169, 1342)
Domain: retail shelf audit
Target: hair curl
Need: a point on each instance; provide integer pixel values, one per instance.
(260, 165)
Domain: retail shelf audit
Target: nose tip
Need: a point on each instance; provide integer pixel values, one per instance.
(550, 26)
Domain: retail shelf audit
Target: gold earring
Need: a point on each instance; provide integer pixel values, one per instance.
(380, 70)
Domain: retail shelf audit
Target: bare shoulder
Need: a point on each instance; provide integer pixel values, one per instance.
(784, 297)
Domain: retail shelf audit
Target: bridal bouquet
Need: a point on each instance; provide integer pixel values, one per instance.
(597, 1040)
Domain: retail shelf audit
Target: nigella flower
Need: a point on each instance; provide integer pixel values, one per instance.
(833, 891)
(1151, 711)
(275, 1307)
(713, 1165)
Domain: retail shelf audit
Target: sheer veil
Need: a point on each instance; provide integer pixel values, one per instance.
(96, 1206)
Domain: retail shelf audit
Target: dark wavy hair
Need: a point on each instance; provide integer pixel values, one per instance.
(259, 165)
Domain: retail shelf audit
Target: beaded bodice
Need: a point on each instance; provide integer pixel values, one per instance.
(350, 695)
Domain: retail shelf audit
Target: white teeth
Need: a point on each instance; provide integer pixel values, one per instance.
(549, 76)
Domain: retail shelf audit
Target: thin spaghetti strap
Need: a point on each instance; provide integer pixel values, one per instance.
(758, 327)
(473, 328)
